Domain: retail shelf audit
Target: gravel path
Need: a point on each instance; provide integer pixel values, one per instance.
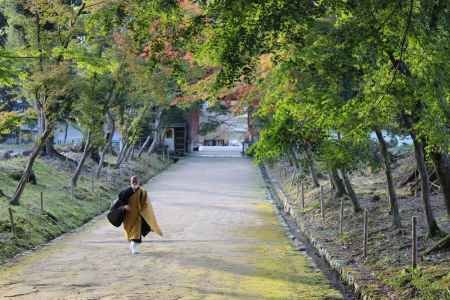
(222, 241)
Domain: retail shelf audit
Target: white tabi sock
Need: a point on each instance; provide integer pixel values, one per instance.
(133, 247)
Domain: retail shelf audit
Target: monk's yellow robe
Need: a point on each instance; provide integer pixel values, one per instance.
(140, 210)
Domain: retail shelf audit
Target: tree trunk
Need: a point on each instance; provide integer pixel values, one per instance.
(442, 166)
(129, 154)
(433, 228)
(154, 142)
(156, 128)
(314, 176)
(133, 153)
(108, 144)
(29, 167)
(443, 243)
(144, 146)
(44, 129)
(311, 166)
(66, 130)
(297, 159)
(95, 156)
(50, 150)
(350, 192)
(337, 183)
(40, 116)
(102, 158)
(440, 159)
(87, 149)
(294, 159)
(396, 220)
(122, 154)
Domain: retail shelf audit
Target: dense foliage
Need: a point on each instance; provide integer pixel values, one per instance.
(325, 81)
(343, 76)
(103, 65)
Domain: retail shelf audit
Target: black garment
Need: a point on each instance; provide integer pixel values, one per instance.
(117, 213)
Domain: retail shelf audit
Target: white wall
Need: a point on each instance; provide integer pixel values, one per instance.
(169, 140)
(74, 135)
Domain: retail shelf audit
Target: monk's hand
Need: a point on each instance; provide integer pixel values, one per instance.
(126, 207)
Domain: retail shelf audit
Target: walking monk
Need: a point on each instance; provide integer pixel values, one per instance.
(134, 210)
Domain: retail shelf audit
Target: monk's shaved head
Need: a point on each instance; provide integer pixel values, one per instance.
(134, 180)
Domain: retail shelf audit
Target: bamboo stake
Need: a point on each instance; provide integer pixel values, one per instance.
(42, 201)
(292, 179)
(341, 216)
(414, 243)
(303, 195)
(13, 226)
(322, 211)
(416, 185)
(387, 195)
(366, 234)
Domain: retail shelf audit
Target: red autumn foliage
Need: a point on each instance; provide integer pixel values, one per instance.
(189, 6)
(237, 93)
(188, 56)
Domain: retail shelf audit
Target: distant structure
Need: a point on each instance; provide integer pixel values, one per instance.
(231, 129)
(186, 131)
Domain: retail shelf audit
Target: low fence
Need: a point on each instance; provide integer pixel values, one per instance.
(297, 213)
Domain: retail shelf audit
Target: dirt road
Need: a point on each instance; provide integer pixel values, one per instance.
(222, 241)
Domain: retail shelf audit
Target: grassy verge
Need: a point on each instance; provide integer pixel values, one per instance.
(61, 213)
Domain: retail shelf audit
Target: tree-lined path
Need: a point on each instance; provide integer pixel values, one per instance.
(222, 241)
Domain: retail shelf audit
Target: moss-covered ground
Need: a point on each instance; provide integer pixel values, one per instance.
(62, 212)
(386, 272)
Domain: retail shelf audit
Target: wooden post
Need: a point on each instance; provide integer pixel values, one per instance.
(92, 182)
(414, 243)
(366, 234)
(71, 192)
(303, 195)
(416, 186)
(42, 201)
(341, 216)
(387, 195)
(322, 212)
(292, 179)
(13, 226)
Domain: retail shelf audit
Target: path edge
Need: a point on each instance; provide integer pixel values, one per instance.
(102, 214)
(289, 215)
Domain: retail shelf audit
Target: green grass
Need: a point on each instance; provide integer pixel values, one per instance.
(61, 212)
(423, 283)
